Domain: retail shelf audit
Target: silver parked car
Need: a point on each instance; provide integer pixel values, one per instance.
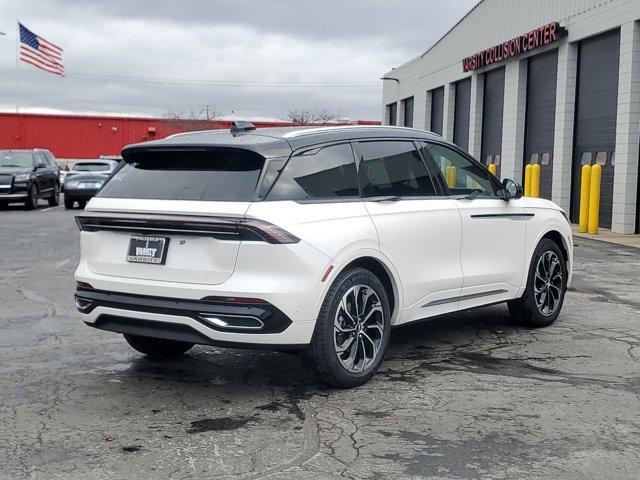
(84, 180)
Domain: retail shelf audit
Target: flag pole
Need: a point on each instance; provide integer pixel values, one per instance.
(17, 66)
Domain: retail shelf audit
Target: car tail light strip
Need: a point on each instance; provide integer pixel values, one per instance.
(224, 228)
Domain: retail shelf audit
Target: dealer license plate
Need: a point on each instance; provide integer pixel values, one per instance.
(148, 250)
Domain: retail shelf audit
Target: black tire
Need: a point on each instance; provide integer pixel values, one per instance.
(3, 205)
(32, 201)
(157, 347)
(54, 199)
(68, 202)
(321, 355)
(526, 309)
(82, 204)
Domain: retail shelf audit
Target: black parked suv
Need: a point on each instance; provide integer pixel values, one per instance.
(27, 176)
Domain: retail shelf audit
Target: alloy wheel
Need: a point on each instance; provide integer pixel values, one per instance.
(548, 283)
(358, 328)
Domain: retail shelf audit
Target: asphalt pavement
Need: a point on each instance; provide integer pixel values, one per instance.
(469, 395)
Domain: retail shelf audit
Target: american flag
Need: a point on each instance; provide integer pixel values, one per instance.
(39, 52)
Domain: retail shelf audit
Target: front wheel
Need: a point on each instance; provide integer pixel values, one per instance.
(352, 330)
(54, 199)
(542, 300)
(157, 347)
(32, 200)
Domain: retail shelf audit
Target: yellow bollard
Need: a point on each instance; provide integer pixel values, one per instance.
(450, 176)
(594, 199)
(585, 186)
(454, 175)
(527, 180)
(493, 169)
(447, 175)
(535, 180)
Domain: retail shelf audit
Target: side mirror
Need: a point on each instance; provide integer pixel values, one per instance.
(511, 189)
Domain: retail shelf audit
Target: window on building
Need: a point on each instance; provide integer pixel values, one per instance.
(601, 158)
(497, 159)
(392, 113)
(408, 112)
(393, 169)
(585, 159)
(462, 176)
(488, 159)
(327, 172)
(545, 159)
(534, 158)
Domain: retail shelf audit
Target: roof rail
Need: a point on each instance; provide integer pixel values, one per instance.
(240, 126)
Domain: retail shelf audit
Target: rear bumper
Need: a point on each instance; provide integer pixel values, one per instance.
(81, 193)
(186, 328)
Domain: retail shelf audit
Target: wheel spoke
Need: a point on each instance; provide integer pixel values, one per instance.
(375, 327)
(343, 307)
(374, 348)
(342, 329)
(374, 309)
(345, 345)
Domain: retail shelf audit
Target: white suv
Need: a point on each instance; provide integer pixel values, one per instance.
(319, 240)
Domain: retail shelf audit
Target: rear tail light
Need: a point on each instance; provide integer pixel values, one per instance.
(269, 232)
(226, 228)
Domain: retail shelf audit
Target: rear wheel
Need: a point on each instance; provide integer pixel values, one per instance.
(54, 199)
(546, 285)
(32, 200)
(352, 330)
(68, 202)
(3, 205)
(157, 347)
(82, 203)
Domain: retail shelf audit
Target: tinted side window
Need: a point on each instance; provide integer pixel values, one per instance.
(393, 168)
(40, 159)
(461, 175)
(324, 172)
(49, 158)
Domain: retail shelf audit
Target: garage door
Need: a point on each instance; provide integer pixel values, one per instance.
(540, 117)
(461, 115)
(596, 109)
(492, 117)
(437, 106)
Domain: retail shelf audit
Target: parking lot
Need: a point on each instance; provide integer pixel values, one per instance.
(468, 395)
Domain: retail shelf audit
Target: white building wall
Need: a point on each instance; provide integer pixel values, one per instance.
(628, 131)
(565, 114)
(513, 119)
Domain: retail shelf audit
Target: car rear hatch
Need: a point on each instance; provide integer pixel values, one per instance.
(173, 215)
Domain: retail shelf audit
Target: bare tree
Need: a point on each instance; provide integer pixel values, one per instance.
(202, 118)
(304, 116)
(325, 116)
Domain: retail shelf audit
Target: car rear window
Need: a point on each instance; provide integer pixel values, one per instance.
(91, 167)
(210, 175)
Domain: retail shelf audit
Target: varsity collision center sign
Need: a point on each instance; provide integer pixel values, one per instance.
(516, 46)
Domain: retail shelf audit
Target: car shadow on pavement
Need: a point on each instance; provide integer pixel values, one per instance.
(418, 341)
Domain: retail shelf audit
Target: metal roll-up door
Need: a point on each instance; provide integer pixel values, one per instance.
(596, 111)
(461, 115)
(541, 116)
(493, 105)
(437, 108)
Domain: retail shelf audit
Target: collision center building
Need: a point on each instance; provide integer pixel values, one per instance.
(551, 82)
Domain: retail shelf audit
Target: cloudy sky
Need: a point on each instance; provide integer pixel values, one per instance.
(248, 59)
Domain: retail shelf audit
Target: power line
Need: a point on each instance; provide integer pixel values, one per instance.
(207, 83)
